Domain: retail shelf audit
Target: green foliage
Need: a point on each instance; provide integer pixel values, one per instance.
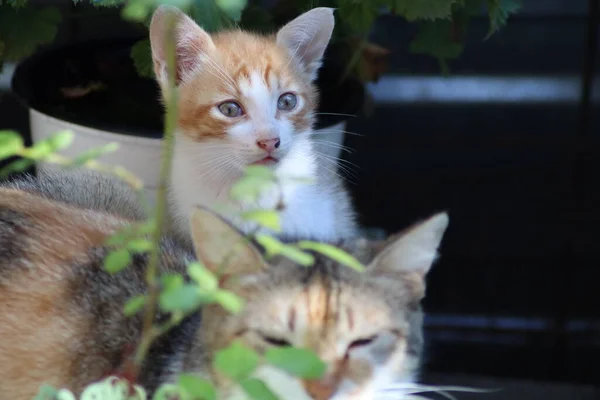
(18, 42)
(11, 143)
(185, 298)
(274, 247)
(257, 390)
(141, 55)
(334, 253)
(414, 10)
(298, 362)
(236, 362)
(134, 305)
(499, 11)
(267, 218)
(198, 388)
(205, 279)
(116, 261)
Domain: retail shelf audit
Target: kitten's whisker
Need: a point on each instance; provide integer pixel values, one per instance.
(335, 146)
(329, 131)
(340, 114)
(345, 178)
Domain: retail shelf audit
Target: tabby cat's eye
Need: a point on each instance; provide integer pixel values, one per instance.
(275, 341)
(230, 109)
(287, 102)
(362, 342)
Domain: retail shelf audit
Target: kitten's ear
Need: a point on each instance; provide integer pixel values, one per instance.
(414, 250)
(221, 247)
(191, 42)
(307, 37)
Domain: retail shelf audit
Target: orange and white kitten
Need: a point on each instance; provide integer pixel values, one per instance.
(247, 99)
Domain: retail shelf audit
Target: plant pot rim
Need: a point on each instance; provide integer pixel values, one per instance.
(25, 91)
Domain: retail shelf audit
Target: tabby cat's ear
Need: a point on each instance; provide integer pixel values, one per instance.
(191, 42)
(307, 37)
(221, 247)
(413, 250)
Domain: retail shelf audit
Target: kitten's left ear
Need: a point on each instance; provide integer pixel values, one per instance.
(414, 250)
(307, 37)
(221, 247)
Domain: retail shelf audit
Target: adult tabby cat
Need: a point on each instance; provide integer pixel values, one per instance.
(61, 320)
(248, 99)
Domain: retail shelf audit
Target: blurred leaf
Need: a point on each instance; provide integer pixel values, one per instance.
(20, 42)
(274, 246)
(64, 394)
(16, 166)
(139, 245)
(184, 298)
(141, 54)
(116, 261)
(257, 389)
(203, 277)
(46, 392)
(137, 10)
(54, 143)
(260, 171)
(249, 188)
(94, 154)
(424, 9)
(171, 281)
(435, 39)
(499, 11)
(198, 388)
(360, 15)
(233, 8)
(298, 362)
(229, 301)
(168, 391)
(267, 218)
(134, 305)
(108, 3)
(334, 253)
(17, 3)
(208, 15)
(236, 361)
(11, 143)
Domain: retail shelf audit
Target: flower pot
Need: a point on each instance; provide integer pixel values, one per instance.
(94, 90)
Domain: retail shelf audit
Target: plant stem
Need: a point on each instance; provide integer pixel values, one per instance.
(148, 334)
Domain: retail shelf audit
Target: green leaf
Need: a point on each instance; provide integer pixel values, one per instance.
(360, 15)
(208, 15)
(16, 166)
(94, 154)
(11, 143)
(142, 58)
(424, 9)
(172, 281)
(499, 11)
(298, 362)
(198, 388)
(139, 245)
(64, 394)
(257, 19)
(435, 39)
(233, 8)
(46, 392)
(185, 299)
(260, 171)
(17, 3)
(229, 301)
(134, 305)
(267, 218)
(273, 247)
(249, 188)
(168, 391)
(236, 361)
(136, 10)
(205, 279)
(257, 389)
(54, 143)
(42, 25)
(116, 261)
(334, 253)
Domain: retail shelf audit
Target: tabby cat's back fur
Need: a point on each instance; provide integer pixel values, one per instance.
(231, 115)
(61, 321)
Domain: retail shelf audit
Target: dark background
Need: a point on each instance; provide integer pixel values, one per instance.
(516, 293)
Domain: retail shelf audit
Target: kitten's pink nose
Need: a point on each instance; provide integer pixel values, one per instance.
(268, 144)
(320, 390)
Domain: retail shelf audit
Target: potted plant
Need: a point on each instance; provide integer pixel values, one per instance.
(104, 91)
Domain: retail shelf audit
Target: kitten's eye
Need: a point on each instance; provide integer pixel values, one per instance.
(287, 102)
(362, 342)
(230, 109)
(276, 341)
